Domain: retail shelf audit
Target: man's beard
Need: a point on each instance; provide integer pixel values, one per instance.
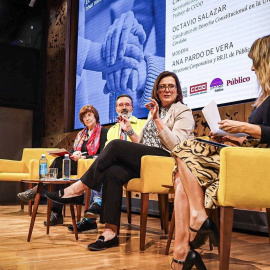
(125, 112)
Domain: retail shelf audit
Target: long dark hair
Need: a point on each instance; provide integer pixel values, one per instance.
(177, 82)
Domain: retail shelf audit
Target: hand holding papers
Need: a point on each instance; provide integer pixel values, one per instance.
(212, 116)
(62, 152)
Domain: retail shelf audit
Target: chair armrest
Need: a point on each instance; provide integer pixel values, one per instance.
(50, 161)
(244, 177)
(33, 169)
(83, 166)
(155, 172)
(12, 166)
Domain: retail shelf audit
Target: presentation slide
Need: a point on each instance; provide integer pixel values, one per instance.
(124, 45)
(207, 43)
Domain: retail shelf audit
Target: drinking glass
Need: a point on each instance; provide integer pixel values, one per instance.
(52, 174)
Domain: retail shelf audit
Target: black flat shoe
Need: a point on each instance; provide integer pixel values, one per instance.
(100, 244)
(56, 196)
(193, 258)
(208, 229)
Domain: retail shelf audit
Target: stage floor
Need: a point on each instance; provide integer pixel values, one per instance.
(60, 250)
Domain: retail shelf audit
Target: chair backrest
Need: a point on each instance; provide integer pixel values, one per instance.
(244, 177)
(35, 153)
(83, 166)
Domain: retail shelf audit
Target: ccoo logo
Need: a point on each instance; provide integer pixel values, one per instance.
(198, 88)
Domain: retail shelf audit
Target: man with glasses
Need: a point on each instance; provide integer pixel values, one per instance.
(124, 108)
(123, 130)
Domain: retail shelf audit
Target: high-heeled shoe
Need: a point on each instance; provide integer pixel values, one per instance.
(208, 229)
(56, 196)
(193, 258)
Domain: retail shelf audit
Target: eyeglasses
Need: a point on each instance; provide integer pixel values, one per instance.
(163, 87)
(124, 104)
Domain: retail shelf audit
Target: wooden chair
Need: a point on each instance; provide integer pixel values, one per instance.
(155, 173)
(244, 182)
(83, 166)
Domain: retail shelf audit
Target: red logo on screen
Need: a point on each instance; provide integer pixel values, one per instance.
(198, 88)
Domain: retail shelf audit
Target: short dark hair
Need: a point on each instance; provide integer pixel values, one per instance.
(86, 109)
(156, 84)
(123, 95)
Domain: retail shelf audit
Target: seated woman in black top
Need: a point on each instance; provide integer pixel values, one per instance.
(196, 181)
(91, 140)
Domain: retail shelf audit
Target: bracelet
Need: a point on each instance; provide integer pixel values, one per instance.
(130, 132)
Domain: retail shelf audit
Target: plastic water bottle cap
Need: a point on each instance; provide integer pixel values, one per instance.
(66, 155)
(43, 155)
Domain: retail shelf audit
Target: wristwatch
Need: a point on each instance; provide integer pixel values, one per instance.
(130, 132)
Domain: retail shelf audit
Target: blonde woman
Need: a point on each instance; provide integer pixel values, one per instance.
(196, 180)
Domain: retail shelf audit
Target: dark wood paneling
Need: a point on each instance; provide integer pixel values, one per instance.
(55, 69)
(239, 112)
(70, 69)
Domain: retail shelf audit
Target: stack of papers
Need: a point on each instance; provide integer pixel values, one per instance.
(58, 152)
(212, 116)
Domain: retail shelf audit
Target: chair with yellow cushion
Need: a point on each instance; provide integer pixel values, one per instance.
(244, 182)
(15, 171)
(83, 166)
(156, 173)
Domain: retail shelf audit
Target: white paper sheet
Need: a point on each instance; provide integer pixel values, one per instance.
(212, 116)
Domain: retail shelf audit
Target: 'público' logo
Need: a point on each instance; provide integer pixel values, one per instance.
(238, 80)
(198, 89)
(217, 85)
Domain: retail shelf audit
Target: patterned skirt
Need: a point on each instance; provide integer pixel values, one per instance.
(203, 160)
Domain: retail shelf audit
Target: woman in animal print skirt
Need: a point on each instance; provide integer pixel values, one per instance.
(196, 176)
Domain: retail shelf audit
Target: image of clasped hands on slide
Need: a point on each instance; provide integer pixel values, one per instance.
(124, 45)
(121, 49)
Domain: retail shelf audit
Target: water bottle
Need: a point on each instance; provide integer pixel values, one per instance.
(43, 167)
(66, 167)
